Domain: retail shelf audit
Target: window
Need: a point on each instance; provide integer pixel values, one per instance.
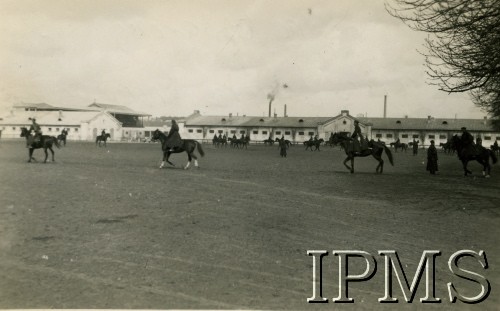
(388, 135)
(76, 130)
(301, 120)
(431, 136)
(190, 131)
(242, 132)
(278, 132)
(378, 135)
(57, 129)
(487, 137)
(220, 131)
(310, 133)
(198, 131)
(287, 132)
(398, 122)
(233, 131)
(445, 122)
(261, 120)
(442, 136)
(415, 136)
(404, 136)
(14, 128)
(223, 119)
(255, 132)
(50, 129)
(264, 132)
(344, 122)
(211, 131)
(301, 133)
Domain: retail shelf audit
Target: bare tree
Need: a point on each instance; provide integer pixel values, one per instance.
(462, 48)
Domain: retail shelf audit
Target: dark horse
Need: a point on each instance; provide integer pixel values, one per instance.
(45, 142)
(471, 153)
(397, 144)
(102, 138)
(376, 149)
(268, 141)
(61, 139)
(188, 146)
(314, 143)
(219, 142)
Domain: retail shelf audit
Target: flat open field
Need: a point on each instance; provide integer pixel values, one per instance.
(106, 228)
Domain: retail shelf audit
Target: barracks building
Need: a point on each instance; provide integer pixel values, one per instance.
(125, 124)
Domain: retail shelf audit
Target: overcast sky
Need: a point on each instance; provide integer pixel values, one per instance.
(173, 57)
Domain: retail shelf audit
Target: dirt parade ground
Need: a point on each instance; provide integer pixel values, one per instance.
(106, 228)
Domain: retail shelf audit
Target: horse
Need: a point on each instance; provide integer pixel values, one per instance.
(397, 144)
(376, 149)
(287, 142)
(188, 146)
(219, 142)
(468, 153)
(242, 142)
(313, 143)
(102, 138)
(61, 139)
(45, 142)
(268, 141)
(447, 147)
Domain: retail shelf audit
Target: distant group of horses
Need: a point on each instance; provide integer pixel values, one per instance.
(232, 142)
(466, 153)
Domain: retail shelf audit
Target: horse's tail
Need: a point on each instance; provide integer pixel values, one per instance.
(493, 156)
(200, 149)
(389, 154)
(56, 142)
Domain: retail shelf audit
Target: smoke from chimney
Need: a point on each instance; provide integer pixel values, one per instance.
(271, 96)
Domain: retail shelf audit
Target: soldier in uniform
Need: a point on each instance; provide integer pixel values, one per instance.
(358, 145)
(35, 133)
(432, 159)
(467, 141)
(415, 146)
(283, 147)
(173, 138)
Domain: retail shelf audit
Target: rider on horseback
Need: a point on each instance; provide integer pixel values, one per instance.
(468, 141)
(360, 145)
(35, 133)
(173, 139)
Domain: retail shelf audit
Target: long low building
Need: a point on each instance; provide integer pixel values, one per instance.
(86, 123)
(299, 129)
(125, 124)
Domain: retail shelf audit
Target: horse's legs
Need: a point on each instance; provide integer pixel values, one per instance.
(52, 151)
(464, 164)
(189, 161)
(195, 160)
(351, 169)
(46, 154)
(30, 154)
(168, 156)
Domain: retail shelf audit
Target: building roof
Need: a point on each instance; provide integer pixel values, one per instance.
(422, 124)
(244, 121)
(118, 109)
(67, 118)
(436, 124)
(44, 107)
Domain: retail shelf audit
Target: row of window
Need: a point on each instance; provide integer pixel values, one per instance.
(49, 129)
(416, 136)
(253, 132)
